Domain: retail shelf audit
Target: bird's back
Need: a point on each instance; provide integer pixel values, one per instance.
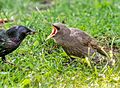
(3, 37)
(81, 44)
(5, 43)
(2, 34)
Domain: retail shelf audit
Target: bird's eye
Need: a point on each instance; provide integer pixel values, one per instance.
(58, 28)
(23, 32)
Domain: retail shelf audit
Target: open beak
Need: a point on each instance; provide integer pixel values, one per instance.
(53, 33)
(31, 32)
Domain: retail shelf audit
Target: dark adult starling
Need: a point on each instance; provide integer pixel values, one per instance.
(75, 42)
(11, 39)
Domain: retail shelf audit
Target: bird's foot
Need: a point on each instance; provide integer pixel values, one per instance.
(71, 60)
(9, 63)
(5, 61)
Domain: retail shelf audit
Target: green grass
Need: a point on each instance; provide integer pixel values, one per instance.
(39, 65)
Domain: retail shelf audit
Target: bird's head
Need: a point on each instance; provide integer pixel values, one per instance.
(19, 32)
(59, 30)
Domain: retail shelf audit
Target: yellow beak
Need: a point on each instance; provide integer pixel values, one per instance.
(50, 36)
(54, 31)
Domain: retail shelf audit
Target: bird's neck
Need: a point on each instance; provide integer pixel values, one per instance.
(64, 40)
(16, 40)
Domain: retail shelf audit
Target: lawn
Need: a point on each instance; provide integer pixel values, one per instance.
(39, 63)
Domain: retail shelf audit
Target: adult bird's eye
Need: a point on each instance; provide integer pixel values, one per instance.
(23, 32)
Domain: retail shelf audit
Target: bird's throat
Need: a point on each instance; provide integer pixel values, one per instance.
(54, 31)
(17, 41)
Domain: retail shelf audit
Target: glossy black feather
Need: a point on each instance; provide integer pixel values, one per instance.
(11, 39)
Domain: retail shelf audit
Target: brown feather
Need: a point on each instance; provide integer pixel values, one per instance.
(77, 42)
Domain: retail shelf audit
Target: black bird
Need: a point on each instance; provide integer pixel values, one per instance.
(11, 39)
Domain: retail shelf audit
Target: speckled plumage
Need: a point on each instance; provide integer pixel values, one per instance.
(76, 42)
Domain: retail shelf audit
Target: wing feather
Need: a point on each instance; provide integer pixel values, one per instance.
(87, 40)
(5, 42)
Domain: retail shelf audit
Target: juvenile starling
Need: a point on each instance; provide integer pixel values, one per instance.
(75, 42)
(11, 39)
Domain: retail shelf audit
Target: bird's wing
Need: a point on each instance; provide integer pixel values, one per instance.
(5, 42)
(2, 38)
(83, 38)
(86, 40)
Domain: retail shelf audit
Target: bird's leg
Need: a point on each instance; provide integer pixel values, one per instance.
(5, 61)
(70, 61)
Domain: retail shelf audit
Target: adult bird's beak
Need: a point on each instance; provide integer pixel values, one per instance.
(53, 33)
(31, 32)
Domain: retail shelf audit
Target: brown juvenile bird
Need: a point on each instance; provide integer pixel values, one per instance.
(76, 42)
